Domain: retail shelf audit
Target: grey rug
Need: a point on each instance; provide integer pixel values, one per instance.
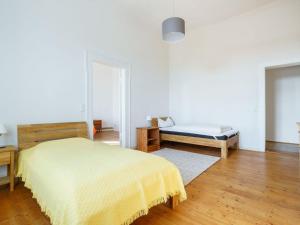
(189, 164)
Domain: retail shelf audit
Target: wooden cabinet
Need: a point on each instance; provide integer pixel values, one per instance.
(298, 125)
(7, 157)
(148, 139)
(98, 125)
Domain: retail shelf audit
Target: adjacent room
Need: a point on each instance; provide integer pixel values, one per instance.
(106, 103)
(162, 112)
(282, 108)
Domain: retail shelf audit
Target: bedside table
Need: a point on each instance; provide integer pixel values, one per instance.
(148, 139)
(7, 157)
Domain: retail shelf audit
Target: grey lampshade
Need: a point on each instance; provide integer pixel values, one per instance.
(173, 29)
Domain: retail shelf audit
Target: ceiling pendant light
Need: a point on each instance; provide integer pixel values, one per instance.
(173, 28)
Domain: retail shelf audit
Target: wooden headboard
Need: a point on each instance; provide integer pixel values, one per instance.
(154, 121)
(33, 134)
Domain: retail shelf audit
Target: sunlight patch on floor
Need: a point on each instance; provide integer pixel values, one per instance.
(111, 142)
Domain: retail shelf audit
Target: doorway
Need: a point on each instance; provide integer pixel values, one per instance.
(282, 94)
(108, 99)
(106, 103)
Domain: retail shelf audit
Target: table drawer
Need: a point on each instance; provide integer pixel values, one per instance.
(4, 158)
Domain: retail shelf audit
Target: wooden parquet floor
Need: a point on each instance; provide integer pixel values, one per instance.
(248, 188)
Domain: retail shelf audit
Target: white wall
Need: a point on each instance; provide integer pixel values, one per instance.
(216, 72)
(42, 62)
(42, 69)
(283, 104)
(106, 93)
(116, 100)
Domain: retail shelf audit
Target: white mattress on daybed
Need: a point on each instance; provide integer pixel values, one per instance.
(198, 129)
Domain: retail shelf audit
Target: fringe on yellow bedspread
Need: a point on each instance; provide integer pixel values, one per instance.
(144, 212)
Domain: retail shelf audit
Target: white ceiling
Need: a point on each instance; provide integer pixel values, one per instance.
(195, 12)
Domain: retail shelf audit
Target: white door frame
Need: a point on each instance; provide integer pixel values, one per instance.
(262, 95)
(97, 56)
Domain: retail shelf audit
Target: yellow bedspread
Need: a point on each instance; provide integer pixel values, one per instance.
(77, 181)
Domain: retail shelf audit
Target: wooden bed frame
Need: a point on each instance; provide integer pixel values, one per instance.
(33, 134)
(223, 144)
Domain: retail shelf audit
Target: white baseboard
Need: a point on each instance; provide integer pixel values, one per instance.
(107, 129)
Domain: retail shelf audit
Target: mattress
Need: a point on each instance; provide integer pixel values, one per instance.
(198, 131)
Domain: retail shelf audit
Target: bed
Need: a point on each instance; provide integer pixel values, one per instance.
(80, 182)
(193, 134)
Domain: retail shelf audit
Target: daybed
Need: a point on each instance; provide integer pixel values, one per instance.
(199, 135)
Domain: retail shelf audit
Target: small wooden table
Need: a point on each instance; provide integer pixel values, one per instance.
(298, 125)
(148, 139)
(7, 157)
(98, 125)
